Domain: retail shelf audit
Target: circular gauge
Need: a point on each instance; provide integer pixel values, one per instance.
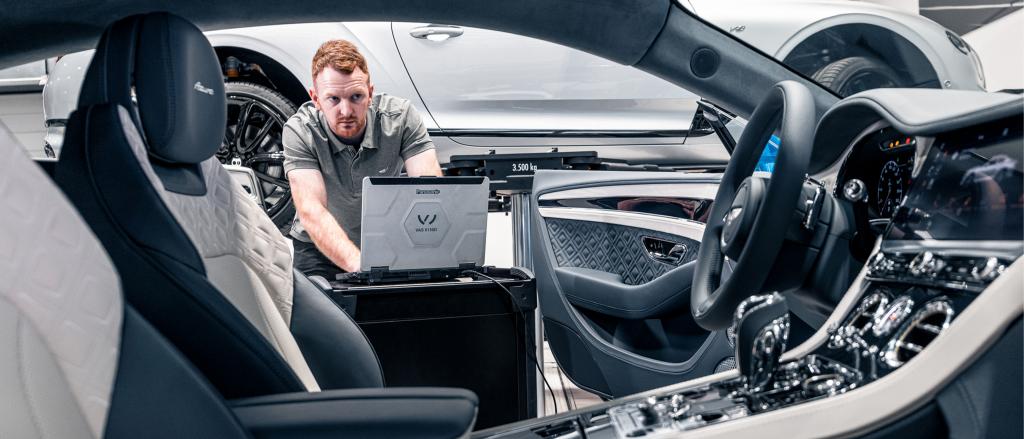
(892, 184)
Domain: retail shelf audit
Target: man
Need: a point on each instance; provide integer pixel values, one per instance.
(345, 133)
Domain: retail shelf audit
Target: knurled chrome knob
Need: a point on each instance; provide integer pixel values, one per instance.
(855, 190)
(986, 270)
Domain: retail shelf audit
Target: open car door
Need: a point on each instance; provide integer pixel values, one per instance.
(614, 258)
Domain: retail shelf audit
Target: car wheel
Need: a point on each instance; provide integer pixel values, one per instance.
(256, 116)
(855, 74)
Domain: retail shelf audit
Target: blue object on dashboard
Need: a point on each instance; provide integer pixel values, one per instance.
(767, 161)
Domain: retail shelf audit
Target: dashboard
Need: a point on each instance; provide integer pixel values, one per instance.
(945, 195)
(878, 170)
(962, 185)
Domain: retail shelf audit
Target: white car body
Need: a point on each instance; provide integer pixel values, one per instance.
(468, 100)
(481, 84)
(761, 25)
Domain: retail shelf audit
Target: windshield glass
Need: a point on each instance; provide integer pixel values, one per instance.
(852, 46)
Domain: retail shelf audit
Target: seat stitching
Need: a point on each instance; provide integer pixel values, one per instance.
(270, 328)
(142, 252)
(19, 352)
(172, 102)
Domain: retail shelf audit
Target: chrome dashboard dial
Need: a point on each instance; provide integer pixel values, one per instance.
(855, 190)
(893, 182)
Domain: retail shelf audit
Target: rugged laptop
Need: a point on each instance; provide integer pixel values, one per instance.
(421, 228)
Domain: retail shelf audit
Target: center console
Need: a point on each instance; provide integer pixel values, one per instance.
(956, 232)
(898, 315)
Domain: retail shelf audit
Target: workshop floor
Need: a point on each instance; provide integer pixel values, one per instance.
(567, 395)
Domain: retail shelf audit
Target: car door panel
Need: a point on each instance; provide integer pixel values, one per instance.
(484, 80)
(701, 151)
(23, 78)
(486, 71)
(613, 286)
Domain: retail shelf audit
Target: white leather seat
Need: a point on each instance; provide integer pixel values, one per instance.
(72, 354)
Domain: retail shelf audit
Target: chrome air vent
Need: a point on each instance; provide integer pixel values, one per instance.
(865, 314)
(926, 324)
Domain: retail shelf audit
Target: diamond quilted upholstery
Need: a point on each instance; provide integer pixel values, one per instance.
(246, 256)
(611, 248)
(61, 304)
(227, 222)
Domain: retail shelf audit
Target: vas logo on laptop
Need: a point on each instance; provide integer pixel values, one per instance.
(426, 219)
(426, 223)
(428, 191)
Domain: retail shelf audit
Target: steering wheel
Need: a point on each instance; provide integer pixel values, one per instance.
(751, 214)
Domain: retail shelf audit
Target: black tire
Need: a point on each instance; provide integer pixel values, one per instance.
(855, 74)
(263, 155)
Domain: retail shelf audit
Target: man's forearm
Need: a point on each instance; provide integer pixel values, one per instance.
(330, 238)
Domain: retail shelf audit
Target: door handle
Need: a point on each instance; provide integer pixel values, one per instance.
(436, 32)
(664, 251)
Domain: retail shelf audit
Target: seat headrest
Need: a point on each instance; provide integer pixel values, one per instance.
(169, 65)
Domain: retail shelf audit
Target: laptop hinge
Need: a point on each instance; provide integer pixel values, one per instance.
(378, 273)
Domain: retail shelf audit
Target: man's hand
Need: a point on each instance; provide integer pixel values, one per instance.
(423, 164)
(310, 195)
(352, 262)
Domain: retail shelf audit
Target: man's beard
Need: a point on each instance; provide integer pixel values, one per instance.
(354, 139)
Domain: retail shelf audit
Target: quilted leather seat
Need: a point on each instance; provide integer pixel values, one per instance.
(80, 362)
(77, 361)
(199, 259)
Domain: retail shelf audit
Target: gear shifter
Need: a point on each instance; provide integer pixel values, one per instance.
(761, 328)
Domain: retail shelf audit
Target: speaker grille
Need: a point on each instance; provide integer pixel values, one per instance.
(704, 62)
(728, 363)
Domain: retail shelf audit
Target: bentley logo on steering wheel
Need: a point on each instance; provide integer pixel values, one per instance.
(732, 215)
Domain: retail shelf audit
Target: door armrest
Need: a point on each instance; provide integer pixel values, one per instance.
(421, 412)
(606, 293)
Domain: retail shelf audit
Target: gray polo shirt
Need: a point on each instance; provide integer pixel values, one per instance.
(394, 132)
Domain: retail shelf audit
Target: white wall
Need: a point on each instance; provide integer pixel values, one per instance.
(1000, 44)
(499, 251)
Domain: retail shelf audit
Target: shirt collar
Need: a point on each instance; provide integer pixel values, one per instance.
(371, 128)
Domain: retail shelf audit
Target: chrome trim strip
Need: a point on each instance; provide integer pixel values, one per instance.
(674, 226)
(1005, 249)
(686, 190)
(475, 132)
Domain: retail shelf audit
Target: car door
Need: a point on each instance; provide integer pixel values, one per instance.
(23, 78)
(480, 85)
(614, 255)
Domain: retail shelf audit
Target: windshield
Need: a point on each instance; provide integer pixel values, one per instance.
(852, 46)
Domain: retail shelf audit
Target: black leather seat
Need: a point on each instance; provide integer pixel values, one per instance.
(79, 362)
(198, 258)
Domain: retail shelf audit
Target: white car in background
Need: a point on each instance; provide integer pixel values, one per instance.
(485, 90)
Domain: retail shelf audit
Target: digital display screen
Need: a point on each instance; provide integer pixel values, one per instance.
(969, 188)
(767, 161)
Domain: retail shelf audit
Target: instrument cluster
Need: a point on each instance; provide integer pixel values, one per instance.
(878, 171)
